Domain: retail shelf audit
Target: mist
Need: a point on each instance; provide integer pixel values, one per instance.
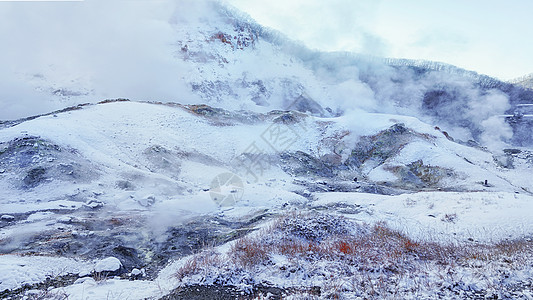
(65, 53)
(62, 53)
(437, 94)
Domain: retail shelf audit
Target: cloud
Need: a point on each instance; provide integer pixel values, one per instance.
(441, 40)
(18, 100)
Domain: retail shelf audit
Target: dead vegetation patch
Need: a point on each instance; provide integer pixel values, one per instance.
(370, 260)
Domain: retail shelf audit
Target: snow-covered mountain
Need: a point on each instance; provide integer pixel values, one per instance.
(220, 57)
(255, 126)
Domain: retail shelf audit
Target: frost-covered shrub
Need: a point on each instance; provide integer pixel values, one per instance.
(313, 226)
(340, 258)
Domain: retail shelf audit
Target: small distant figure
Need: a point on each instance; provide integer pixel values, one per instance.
(486, 182)
(355, 179)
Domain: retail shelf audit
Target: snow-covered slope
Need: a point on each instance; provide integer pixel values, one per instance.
(216, 55)
(115, 141)
(136, 169)
(525, 81)
(246, 126)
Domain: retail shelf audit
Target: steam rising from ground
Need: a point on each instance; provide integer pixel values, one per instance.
(115, 48)
(455, 103)
(485, 111)
(62, 53)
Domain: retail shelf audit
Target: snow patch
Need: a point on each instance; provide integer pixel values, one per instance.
(110, 264)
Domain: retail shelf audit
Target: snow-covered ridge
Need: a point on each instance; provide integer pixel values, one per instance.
(525, 81)
(216, 55)
(128, 179)
(235, 125)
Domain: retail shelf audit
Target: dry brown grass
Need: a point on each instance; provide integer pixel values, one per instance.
(248, 252)
(379, 246)
(199, 263)
(376, 257)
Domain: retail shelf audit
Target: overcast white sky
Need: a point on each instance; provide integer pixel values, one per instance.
(492, 37)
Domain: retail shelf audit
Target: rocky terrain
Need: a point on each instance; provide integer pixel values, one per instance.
(276, 172)
(149, 199)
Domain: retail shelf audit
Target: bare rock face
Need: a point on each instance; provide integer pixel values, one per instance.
(380, 147)
(302, 164)
(34, 177)
(418, 175)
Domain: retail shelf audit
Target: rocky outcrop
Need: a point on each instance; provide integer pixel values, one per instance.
(40, 161)
(380, 147)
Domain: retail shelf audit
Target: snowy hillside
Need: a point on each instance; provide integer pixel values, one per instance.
(207, 52)
(106, 180)
(525, 81)
(249, 166)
